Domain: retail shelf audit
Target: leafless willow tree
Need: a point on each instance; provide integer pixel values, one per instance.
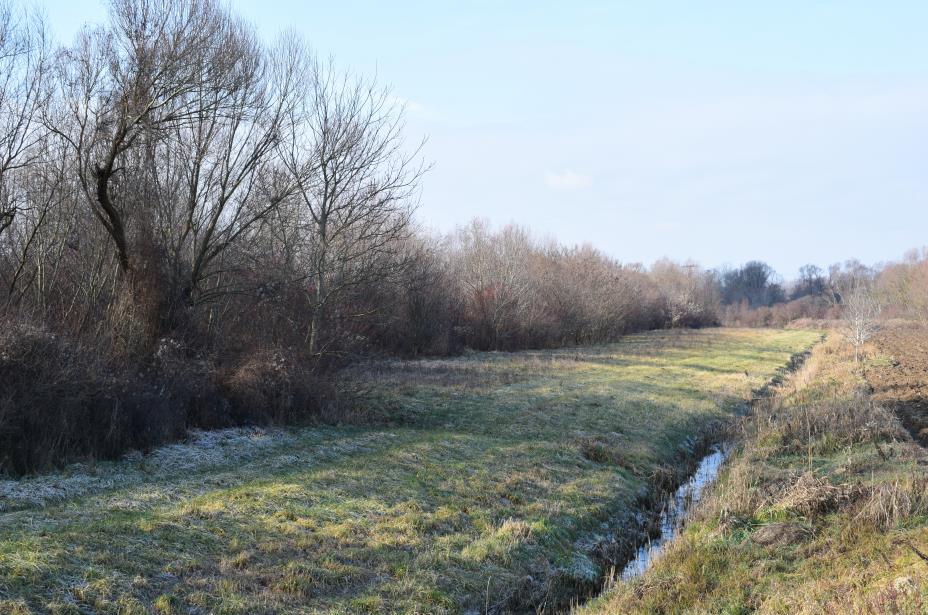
(139, 77)
(354, 184)
(215, 176)
(692, 296)
(494, 272)
(861, 311)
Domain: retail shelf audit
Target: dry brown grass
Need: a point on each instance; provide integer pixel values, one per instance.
(780, 428)
(811, 495)
(893, 503)
(822, 508)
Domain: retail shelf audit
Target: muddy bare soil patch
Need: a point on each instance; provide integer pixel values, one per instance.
(899, 376)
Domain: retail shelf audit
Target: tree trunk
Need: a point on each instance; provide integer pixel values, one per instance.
(113, 222)
(315, 323)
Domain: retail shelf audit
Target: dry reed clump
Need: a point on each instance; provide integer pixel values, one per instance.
(748, 487)
(797, 421)
(821, 427)
(782, 426)
(812, 495)
(780, 534)
(888, 505)
(278, 387)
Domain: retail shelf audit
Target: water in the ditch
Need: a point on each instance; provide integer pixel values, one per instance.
(675, 511)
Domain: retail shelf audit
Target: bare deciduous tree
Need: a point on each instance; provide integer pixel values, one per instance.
(861, 311)
(692, 296)
(136, 77)
(904, 285)
(214, 175)
(24, 51)
(354, 182)
(495, 276)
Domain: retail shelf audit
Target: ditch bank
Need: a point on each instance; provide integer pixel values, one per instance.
(629, 542)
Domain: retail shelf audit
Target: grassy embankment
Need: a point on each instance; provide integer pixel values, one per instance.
(476, 492)
(822, 509)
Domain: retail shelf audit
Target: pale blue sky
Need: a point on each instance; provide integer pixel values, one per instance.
(788, 131)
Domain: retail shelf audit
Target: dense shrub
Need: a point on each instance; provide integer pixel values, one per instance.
(61, 402)
(780, 314)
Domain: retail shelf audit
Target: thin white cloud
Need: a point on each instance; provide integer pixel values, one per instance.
(409, 105)
(568, 180)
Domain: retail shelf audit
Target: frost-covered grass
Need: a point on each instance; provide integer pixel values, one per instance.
(203, 450)
(492, 473)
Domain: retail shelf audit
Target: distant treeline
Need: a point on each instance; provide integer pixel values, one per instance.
(754, 295)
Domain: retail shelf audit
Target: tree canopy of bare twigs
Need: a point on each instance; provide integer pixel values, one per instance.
(354, 185)
(24, 51)
(861, 309)
(160, 66)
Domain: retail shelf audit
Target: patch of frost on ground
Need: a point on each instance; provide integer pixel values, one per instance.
(215, 448)
(203, 449)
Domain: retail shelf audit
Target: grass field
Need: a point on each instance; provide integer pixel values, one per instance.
(482, 488)
(823, 508)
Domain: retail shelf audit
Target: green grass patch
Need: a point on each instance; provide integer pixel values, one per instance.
(489, 470)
